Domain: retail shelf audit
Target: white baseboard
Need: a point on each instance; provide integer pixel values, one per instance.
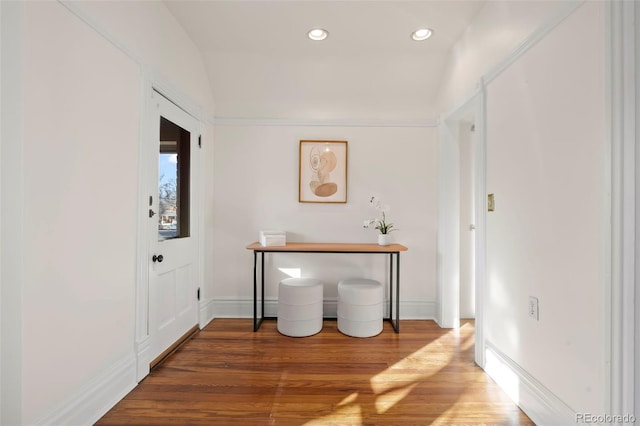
(206, 312)
(234, 308)
(419, 310)
(143, 349)
(94, 399)
(537, 402)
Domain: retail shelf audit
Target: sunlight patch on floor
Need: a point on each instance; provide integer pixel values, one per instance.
(467, 343)
(387, 400)
(386, 381)
(346, 415)
(450, 415)
(392, 385)
(349, 400)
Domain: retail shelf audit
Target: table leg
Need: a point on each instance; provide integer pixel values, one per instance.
(255, 292)
(262, 293)
(258, 322)
(397, 324)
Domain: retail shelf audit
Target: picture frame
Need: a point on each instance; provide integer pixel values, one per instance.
(322, 176)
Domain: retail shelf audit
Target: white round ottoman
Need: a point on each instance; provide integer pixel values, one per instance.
(300, 306)
(360, 307)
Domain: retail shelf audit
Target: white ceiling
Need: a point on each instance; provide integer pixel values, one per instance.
(262, 65)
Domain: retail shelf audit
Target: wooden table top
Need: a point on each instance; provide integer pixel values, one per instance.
(330, 247)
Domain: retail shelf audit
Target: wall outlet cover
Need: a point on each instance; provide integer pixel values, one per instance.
(533, 308)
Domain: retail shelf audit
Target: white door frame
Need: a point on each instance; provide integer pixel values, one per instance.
(145, 152)
(623, 295)
(635, 354)
(448, 280)
(12, 28)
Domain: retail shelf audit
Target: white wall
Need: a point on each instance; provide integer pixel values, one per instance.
(314, 85)
(499, 28)
(546, 149)
(74, 274)
(148, 32)
(80, 156)
(256, 188)
(547, 165)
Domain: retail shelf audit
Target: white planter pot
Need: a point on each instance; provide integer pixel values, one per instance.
(384, 239)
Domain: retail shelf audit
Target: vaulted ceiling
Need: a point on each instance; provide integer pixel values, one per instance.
(261, 65)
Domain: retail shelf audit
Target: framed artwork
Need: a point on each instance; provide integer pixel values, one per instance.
(323, 172)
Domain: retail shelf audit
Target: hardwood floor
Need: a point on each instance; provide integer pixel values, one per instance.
(229, 375)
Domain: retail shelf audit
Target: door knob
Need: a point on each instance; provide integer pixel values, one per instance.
(159, 258)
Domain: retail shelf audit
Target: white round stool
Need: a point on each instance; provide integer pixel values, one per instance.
(360, 307)
(300, 306)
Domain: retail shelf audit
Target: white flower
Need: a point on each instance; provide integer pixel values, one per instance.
(368, 222)
(380, 224)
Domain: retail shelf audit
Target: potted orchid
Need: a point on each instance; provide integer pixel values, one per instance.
(380, 224)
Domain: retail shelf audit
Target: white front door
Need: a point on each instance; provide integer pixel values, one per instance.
(173, 290)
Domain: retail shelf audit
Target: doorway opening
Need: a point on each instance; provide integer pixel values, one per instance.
(466, 144)
(462, 218)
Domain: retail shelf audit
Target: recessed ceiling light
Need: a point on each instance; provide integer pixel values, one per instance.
(421, 34)
(318, 34)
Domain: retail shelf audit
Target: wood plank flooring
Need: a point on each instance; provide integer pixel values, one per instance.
(229, 375)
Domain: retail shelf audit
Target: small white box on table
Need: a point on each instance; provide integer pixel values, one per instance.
(273, 238)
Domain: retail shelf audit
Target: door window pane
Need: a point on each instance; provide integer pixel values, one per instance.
(173, 181)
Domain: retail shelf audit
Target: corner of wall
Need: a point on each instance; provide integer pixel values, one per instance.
(206, 312)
